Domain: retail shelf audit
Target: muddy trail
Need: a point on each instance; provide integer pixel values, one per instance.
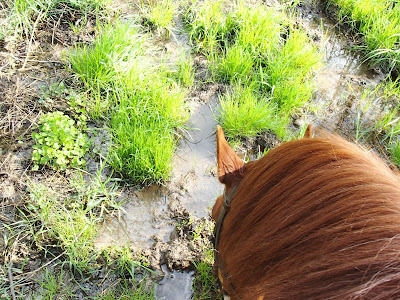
(167, 225)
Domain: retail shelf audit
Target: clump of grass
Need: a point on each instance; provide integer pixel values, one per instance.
(378, 22)
(148, 103)
(209, 25)
(184, 73)
(205, 283)
(268, 60)
(243, 113)
(99, 66)
(25, 15)
(160, 14)
(71, 221)
(236, 64)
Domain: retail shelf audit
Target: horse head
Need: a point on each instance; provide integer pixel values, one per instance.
(315, 218)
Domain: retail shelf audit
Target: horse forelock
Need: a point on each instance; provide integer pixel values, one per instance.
(314, 219)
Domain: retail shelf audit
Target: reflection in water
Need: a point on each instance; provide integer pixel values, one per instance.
(195, 161)
(175, 285)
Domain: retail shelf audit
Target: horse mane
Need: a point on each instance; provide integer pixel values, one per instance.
(316, 218)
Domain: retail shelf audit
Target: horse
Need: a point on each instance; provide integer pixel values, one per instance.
(315, 218)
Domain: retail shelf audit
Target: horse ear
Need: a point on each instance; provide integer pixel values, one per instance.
(230, 166)
(308, 133)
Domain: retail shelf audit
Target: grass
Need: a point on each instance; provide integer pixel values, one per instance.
(204, 284)
(266, 59)
(70, 221)
(25, 15)
(125, 292)
(380, 126)
(379, 24)
(61, 222)
(184, 73)
(160, 14)
(53, 285)
(242, 101)
(148, 103)
(99, 65)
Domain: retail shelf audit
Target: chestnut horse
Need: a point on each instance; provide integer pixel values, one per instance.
(315, 218)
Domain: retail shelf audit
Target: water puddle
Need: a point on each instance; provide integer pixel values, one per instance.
(195, 161)
(193, 184)
(175, 285)
(341, 81)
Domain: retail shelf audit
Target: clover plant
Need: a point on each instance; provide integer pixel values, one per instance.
(59, 143)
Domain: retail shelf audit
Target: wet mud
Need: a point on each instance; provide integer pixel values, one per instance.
(338, 103)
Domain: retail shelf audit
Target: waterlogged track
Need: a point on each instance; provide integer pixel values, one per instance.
(341, 82)
(194, 186)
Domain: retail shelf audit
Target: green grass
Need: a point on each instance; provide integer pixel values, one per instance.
(72, 221)
(148, 103)
(184, 73)
(124, 291)
(394, 150)
(379, 24)
(25, 15)
(266, 59)
(204, 284)
(377, 121)
(160, 14)
(52, 285)
(126, 264)
(243, 113)
(99, 66)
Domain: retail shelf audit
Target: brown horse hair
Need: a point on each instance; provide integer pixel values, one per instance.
(316, 218)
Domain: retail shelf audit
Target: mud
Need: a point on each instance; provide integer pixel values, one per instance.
(338, 104)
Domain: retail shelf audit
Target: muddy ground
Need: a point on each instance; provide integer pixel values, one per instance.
(150, 215)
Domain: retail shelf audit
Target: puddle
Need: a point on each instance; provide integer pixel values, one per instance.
(175, 285)
(193, 185)
(195, 161)
(145, 215)
(147, 212)
(341, 81)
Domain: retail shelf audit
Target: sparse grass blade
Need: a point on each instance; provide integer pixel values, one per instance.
(70, 221)
(204, 284)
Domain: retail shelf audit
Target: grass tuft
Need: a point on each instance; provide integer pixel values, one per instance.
(148, 105)
(243, 113)
(72, 221)
(160, 14)
(379, 24)
(268, 61)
